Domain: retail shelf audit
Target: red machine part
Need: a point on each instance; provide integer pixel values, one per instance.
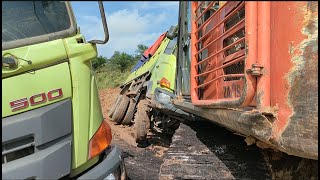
(261, 55)
(152, 49)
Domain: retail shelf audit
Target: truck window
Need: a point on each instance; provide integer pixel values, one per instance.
(30, 19)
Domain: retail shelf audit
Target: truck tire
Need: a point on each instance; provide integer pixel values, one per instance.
(110, 113)
(129, 114)
(141, 121)
(120, 109)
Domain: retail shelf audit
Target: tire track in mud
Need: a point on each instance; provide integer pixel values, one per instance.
(140, 163)
(201, 150)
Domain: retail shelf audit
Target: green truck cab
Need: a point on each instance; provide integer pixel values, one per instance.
(145, 99)
(52, 123)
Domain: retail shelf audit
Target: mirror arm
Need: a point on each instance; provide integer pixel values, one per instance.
(105, 27)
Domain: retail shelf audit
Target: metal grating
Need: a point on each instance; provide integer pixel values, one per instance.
(219, 53)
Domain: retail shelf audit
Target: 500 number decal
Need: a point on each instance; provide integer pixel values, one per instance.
(36, 99)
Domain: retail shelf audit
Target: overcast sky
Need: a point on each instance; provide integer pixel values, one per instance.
(130, 23)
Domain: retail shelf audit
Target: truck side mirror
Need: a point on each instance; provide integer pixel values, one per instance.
(105, 27)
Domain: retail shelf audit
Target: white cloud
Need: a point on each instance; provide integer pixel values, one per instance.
(131, 21)
(155, 4)
(91, 27)
(128, 27)
(126, 44)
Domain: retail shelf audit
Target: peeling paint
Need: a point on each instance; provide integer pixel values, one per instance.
(299, 136)
(291, 48)
(273, 111)
(298, 59)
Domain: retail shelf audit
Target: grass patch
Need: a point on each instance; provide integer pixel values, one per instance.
(110, 77)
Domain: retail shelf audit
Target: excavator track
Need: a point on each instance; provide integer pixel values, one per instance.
(201, 150)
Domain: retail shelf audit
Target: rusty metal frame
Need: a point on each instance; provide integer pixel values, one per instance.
(280, 104)
(263, 56)
(251, 40)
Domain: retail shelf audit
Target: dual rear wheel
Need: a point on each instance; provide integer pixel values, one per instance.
(125, 109)
(130, 113)
(119, 109)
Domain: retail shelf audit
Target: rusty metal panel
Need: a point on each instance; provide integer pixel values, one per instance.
(220, 37)
(280, 72)
(294, 76)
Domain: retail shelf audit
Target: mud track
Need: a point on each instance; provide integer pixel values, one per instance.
(202, 150)
(141, 163)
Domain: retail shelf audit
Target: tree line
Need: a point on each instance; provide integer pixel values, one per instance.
(120, 60)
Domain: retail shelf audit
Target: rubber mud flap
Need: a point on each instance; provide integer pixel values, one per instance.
(121, 109)
(111, 112)
(129, 114)
(141, 121)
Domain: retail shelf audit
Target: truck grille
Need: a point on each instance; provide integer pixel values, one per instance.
(17, 149)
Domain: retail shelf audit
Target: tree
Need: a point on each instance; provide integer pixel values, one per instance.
(121, 60)
(97, 62)
(141, 49)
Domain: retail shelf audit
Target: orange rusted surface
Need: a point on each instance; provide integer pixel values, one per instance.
(263, 53)
(294, 76)
(281, 43)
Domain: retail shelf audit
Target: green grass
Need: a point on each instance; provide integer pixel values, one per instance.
(108, 70)
(110, 77)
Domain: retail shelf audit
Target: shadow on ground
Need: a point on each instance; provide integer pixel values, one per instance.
(252, 162)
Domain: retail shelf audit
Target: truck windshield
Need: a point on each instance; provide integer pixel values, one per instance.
(28, 19)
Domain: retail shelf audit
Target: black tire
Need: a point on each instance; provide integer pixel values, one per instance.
(111, 112)
(129, 114)
(141, 121)
(121, 109)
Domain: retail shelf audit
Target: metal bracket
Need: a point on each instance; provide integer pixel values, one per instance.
(255, 70)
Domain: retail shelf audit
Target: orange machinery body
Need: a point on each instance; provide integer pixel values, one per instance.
(254, 70)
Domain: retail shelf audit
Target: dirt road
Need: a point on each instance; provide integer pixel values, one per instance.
(226, 151)
(141, 163)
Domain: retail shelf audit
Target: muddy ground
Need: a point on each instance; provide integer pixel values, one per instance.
(145, 163)
(141, 163)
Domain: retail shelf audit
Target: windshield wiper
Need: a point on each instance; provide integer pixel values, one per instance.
(11, 60)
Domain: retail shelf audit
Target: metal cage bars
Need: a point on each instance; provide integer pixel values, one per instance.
(250, 25)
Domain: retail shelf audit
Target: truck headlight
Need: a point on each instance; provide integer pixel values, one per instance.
(163, 98)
